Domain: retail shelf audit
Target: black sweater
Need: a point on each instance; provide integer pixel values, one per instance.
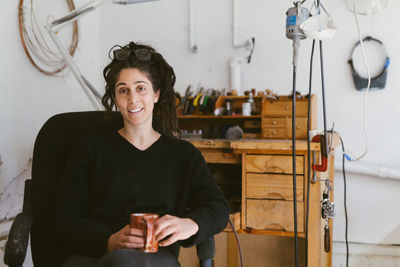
(107, 179)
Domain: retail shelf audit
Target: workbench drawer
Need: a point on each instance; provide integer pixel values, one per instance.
(273, 215)
(281, 128)
(301, 128)
(273, 186)
(274, 122)
(274, 133)
(280, 164)
(279, 108)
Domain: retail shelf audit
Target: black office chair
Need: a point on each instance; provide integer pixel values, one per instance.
(52, 148)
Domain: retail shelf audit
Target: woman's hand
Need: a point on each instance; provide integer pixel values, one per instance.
(175, 229)
(127, 237)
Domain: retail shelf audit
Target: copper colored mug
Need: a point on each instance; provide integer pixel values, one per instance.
(146, 222)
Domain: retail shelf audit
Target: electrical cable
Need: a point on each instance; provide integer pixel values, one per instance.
(345, 201)
(35, 46)
(309, 150)
(321, 56)
(294, 17)
(368, 86)
(296, 246)
(323, 95)
(308, 125)
(322, 86)
(237, 242)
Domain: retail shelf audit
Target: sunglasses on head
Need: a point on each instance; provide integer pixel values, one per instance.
(125, 52)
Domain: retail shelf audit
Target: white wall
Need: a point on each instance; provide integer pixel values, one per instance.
(165, 25)
(28, 97)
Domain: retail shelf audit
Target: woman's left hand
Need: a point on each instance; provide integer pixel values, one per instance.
(175, 229)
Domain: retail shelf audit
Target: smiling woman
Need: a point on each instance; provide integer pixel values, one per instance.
(141, 168)
(135, 98)
(159, 75)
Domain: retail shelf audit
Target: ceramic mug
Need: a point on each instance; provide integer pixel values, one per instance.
(146, 222)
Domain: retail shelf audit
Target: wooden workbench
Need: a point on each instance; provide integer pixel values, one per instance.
(266, 206)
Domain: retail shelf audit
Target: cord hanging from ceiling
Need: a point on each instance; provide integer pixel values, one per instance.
(39, 53)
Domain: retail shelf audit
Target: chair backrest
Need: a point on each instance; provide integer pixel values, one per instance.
(53, 146)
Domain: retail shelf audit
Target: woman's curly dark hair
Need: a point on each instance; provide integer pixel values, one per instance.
(162, 77)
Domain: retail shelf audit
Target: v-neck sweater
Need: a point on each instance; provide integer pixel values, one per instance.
(107, 178)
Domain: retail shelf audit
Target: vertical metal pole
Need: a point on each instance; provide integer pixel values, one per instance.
(294, 166)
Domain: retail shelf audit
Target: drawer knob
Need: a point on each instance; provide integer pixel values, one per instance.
(297, 127)
(273, 122)
(273, 132)
(287, 107)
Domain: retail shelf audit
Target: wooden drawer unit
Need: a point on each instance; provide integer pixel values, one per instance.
(273, 186)
(301, 128)
(259, 172)
(276, 121)
(279, 164)
(273, 215)
(268, 190)
(284, 107)
(274, 133)
(281, 128)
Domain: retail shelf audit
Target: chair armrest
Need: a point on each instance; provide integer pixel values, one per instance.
(206, 250)
(17, 242)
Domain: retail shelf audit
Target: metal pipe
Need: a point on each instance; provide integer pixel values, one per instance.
(235, 43)
(235, 74)
(192, 40)
(74, 69)
(371, 170)
(234, 23)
